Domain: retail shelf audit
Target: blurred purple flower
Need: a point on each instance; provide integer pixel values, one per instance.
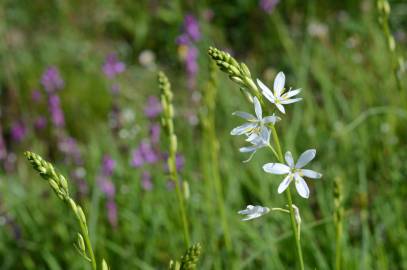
(137, 158)
(36, 96)
(144, 154)
(107, 186)
(113, 66)
(69, 147)
(108, 165)
(146, 183)
(51, 80)
(18, 131)
(54, 107)
(183, 39)
(191, 27)
(155, 129)
(112, 212)
(153, 107)
(268, 5)
(179, 162)
(40, 122)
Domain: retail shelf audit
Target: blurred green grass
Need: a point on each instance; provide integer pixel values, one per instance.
(345, 74)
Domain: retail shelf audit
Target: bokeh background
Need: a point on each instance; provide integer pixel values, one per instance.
(78, 86)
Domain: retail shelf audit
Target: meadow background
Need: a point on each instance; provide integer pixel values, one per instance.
(99, 125)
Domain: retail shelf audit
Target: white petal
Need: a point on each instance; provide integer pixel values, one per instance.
(264, 88)
(248, 149)
(305, 158)
(279, 82)
(289, 101)
(252, 137)
(271, 119)
(245, 115)
(248, 210)
(246, 127)
(276, 168)
(289, 159)
(284, 184)
(291, 93)
(301, 186)
(311, 174)
(257, 108)
(252, 216)
(280, 107)
(265, 135)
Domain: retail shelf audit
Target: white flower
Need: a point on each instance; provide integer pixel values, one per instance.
(258, 141)
(294, 171)
(254, 124)
(252, 212)
(278, 97)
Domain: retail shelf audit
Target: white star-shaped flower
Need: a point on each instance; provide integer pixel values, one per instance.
(252, 212)
(294, 171)
(258, 141)
(278, 97)
(254, 124)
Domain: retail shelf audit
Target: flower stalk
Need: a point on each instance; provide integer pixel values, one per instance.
(338, 221)
(168, 124)
(60, 186)
(383, 8)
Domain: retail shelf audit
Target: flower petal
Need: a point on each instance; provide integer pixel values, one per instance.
(245, 115)
(279, 82)
(291, 93)
(246, 127)
(289, 101)
(257, 108)
(248, 210)
(280, 107)
(311, 174)
(305, 158)
(289, 159)
(284, 184)
(301, 186)
(271, 119)
(248, 149)
(276, 168)
(264, 88)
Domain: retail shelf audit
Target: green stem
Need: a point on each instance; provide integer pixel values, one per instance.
(180, 198)
(85, 234)
(289, 200)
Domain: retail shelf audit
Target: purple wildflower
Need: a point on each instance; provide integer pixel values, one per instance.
(40, 122)
(57, 115)
(112, 212)
(107, 186)
(146, 183)
(137, 158)
(191, 64)
(108, 165)
(69, 147)
(268, 5)
(144, 154)
(51, 80)
(18, 131)
(113, 66)
(153, 107)
(155, 129)
(191, 27)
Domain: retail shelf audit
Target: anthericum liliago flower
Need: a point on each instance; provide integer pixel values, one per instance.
(259, 141)
(278, 97)
(294, 171)
(252, 212)
(252, 128)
